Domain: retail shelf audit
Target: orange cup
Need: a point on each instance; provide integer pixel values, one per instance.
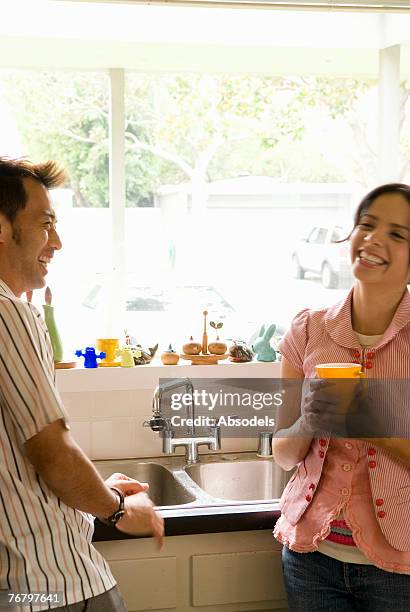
(344, 390)
(339, 370)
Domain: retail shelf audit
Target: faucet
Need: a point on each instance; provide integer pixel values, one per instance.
(191, 441)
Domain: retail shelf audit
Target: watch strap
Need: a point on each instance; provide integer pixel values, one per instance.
(119, 513)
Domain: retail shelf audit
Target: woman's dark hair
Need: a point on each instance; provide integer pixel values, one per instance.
(13, 196)
(368, 199)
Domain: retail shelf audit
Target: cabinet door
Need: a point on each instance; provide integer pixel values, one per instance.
(147, 584)
(238, 577)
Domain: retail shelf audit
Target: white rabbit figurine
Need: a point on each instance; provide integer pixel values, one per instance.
(264, 351)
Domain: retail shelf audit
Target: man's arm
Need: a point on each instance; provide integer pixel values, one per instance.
(65, 468)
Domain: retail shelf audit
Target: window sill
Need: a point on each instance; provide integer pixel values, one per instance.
(147, 376)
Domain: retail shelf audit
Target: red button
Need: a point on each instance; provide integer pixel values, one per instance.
(372, 464)
(368, 365)
(311, 486)
(321, 454)
(356, 354)
(370, 355)
(322, 442)
(381, 514)
(308, 498)
(371, 451)
(379, 502)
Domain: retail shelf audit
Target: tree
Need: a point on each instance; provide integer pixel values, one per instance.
(192, 127)
(197, 119)
(64, 116)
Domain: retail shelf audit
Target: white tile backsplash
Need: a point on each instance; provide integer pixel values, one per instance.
(107, 410)
(81, 432)
(113, 439)
(79, 406)
(109, 404)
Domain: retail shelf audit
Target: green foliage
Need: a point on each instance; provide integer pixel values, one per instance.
(182, 127)
(64, 116)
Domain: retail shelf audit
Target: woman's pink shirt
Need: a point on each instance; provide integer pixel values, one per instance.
(365, 482)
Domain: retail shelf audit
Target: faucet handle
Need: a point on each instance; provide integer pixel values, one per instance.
(265, 444)
(157, 423)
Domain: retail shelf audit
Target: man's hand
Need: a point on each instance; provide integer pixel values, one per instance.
(141, 519)
(127, 485)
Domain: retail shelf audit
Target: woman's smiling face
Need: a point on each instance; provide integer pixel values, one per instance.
(380, 243)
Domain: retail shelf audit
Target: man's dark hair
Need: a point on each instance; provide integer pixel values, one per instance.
(13, 196)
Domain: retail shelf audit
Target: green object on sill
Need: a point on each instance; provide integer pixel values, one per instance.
(53, 331)
(262, 347)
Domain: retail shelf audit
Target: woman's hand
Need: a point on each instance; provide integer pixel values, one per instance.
(327, 405)
(127, 485)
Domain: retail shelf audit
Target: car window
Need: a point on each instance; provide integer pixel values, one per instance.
(313, 235)
(336, 234)
(321, 235)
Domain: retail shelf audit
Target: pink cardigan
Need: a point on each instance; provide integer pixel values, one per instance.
(370, 485)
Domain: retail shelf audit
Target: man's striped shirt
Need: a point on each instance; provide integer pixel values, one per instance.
(45, 545)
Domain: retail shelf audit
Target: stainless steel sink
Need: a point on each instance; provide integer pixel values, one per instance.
(164, 489)
(239, 480)
(218, 480)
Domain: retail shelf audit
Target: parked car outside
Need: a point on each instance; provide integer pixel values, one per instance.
(321, 254)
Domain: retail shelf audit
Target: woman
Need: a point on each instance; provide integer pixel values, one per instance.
(345, 521)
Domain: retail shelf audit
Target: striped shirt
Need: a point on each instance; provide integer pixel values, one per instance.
(45, 545)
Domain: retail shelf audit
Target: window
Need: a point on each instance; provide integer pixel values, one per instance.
(227, 170)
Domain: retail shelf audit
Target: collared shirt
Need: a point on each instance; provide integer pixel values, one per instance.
(45, 545)
(362, 480)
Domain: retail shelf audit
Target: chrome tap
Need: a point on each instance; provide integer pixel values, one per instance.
(162, 424)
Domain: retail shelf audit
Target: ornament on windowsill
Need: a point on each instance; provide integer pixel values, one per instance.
(55, 338)
(217, 347)
(202, 354)
(240, 352)
(169, 357)
(262, 347)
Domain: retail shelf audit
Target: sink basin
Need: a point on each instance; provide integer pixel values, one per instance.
(240, 480)
(164, 489)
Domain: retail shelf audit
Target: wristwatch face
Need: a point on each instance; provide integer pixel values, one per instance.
(116, 517)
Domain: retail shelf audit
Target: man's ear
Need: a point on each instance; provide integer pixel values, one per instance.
(4, 228)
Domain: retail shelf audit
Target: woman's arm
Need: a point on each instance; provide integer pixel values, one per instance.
(292, 439)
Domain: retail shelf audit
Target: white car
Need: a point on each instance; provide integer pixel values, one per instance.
(321, 254)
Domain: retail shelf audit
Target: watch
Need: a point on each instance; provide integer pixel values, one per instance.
(118, 514)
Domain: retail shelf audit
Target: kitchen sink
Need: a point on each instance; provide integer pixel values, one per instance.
(218, 480)
(239, 480)
(164, 489)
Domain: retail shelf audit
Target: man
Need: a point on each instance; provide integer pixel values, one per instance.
(48, 487)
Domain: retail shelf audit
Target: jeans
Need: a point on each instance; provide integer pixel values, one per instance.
(317, 583)
(110, 601)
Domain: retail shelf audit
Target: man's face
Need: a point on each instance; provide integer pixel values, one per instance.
(28, 244)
